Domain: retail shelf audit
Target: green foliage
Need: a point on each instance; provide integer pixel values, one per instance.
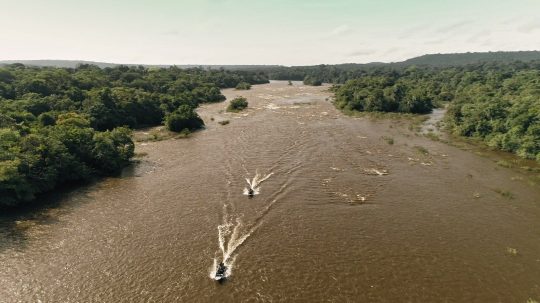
(61, 125)
(69, 151)
(183, 118)
(497, 103)
(384, 94)
(243, 86)
(502, 111)
(112, 149)
(46, 119)
(237, 104)
(472, 58)
(312, 80)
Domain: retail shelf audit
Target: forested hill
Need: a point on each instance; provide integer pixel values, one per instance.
(435, 60)
(58, 63)
(472, 58)
(75, 63)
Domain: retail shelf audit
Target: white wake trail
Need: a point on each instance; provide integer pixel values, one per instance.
(255, 183)
(231, 233)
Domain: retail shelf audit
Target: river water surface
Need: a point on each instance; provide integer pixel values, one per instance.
(344, 215)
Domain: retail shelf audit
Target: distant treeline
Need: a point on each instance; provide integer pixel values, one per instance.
(433, 60)
(460, 59)
(61, 125)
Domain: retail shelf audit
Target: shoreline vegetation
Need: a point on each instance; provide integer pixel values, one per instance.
(70, 125)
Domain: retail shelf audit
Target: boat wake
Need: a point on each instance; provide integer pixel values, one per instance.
(255, 183)
(230, 237)
(232, 233)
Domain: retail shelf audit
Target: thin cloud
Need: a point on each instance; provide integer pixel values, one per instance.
(392, 50)
(453, 27)
(478, 35)
(172, 32)
(340, 30)
(411, 31)
(363, 52)
(529, 27)
(487, 42)
(435, 41)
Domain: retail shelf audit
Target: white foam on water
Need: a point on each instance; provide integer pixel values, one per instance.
(255, 183)
(271, 106)
(232, 233)
(230, 237)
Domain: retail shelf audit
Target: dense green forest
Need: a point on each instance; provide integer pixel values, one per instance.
(406, 93)
(502, 109)
(60, 125)
(498, 103)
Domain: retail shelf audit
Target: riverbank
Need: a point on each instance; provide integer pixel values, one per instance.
(407, 219)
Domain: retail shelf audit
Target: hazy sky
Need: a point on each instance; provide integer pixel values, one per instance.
(289, 32)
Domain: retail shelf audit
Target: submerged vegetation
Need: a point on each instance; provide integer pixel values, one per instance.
(60, 125)
(237, 104)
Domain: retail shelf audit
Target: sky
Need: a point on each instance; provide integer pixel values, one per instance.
(285, 32)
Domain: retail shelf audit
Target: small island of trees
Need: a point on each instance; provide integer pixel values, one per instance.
(237, 104)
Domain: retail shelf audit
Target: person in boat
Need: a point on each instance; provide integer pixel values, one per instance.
(220, 272)
(251, 192)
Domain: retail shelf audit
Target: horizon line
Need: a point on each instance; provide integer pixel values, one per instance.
(283, 65)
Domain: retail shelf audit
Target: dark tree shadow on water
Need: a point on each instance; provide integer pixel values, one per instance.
(15, 223)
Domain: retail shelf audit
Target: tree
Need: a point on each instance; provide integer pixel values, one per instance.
(312, 80)
(243, 86)
(183, 118)
(46, 119)
(112, 150)
(237, 104)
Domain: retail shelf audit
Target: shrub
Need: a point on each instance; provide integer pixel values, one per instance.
(243, 86)
(46, 119)
(237, 104)
(310, 80)
(184, 117)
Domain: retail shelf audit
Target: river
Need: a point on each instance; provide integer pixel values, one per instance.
(353, 210)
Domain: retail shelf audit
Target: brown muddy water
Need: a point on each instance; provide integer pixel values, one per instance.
(344, 216)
